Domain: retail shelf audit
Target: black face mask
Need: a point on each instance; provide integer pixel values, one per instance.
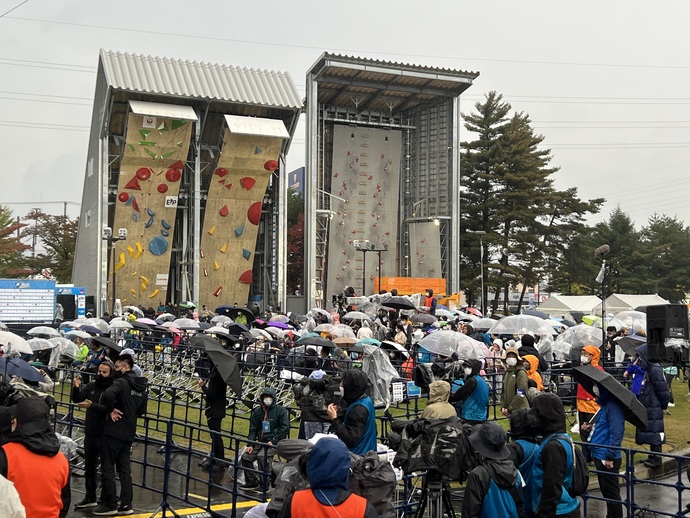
(117, 374)
(103, 381)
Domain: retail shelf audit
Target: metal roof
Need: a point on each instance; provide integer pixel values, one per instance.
(192, 79)
(383, 85)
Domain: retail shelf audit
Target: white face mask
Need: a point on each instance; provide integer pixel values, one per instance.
(511, 362)
(268, 401)
(468, 371)
(584, 360)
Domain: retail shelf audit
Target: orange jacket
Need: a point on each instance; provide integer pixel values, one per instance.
(39, 479)
(305, 505)
(532, 370)
(586, 402)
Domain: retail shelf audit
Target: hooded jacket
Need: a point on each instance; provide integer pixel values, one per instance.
(514, 379)
(527, 347)
(358, 428)
(328, 471)
(94, 424)
(438, 406)
(655, 396)
(216, 394)
(276, 415)
(32, 460)
(608, 429)
(127, 394)
(552, 464)
(532, 373)
(493, 489)
(586, 402)
(473, 394)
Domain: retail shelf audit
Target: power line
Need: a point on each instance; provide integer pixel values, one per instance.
(44, 101)
(15, 7)
(46, 95)
(364, 52)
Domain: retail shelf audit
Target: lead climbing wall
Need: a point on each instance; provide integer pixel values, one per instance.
(366, 174)
(232, 216)
(147, 193)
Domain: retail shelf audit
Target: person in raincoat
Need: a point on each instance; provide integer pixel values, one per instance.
(531, 363)
(473, 395)
(438, 406)
(650, 387)
(515, 383)
(358, 428)
(587, 405)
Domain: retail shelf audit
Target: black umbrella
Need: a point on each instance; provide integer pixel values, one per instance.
(423, 318)
(107, 342)
(92, 330)
(316, 341)
(140, 326)
(225, 362)
(630, 343)
(398, 303)
(568, 323)
(237, 329)
(232, 312)
(635, 412)
(535, 313)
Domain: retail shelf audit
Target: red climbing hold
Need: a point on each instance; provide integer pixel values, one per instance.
(224, 211)
(135, 205)
(221, 171)
(173, 175)
(177, 165)
(123, 197)
(254, 213)
(271, 165)
(143, 173)
(133, 184)
(247, 182)
(163, 188)
(246, 277)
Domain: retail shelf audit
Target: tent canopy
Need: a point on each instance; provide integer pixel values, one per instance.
(562, 304)
(621, 302)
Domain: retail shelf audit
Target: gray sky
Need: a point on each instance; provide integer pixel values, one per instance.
(605, 82)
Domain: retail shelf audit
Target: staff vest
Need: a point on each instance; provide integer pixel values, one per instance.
(305, 505)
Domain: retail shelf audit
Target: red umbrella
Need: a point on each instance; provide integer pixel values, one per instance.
(475, 312)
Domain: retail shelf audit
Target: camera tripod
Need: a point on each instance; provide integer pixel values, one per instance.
(435, 496)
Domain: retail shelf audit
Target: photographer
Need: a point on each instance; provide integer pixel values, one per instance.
(358, 428)
(473, 395)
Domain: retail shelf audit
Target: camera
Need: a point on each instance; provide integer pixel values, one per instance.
(107, 232)
(122, 233)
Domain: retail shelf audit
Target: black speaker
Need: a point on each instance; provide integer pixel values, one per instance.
(668, 324)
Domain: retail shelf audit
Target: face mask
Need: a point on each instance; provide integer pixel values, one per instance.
(511, 362)
(468, 371)
(268, 401)
(584, 360)
(595, 390)
(102, 380)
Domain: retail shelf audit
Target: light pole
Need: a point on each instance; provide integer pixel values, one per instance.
(365, 247)
(111, 239)
(481, 234)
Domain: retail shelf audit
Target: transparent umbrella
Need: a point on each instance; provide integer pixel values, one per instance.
(98, 323)
(316, 312)
(576, 337)
(356, 315)
(445, 343)
(14, 343)
(188, 323)
(220, 319)
(483, 324)
(40, 344)
(45, 331)
(118, 323)
(341, 330)
(634, 320)
(521, 325)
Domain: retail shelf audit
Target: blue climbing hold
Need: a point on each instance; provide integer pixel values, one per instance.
(239, 231)
(246, 254)
(158, 246)
(258, 150)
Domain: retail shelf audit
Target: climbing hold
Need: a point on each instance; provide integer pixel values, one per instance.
(130, 250)
(258, 150)
(165, 225)
(247, 182)
(123, 197)
(205, 272)
(155, 292)
(201, 252)
(163, 188)
(271, 165)
(224, 248)
(165, 233)
(144, 133)
(140, 250)
(121, 262)
(212, 230)
(239, 231)
(224, 211)
(221, 171)
(228, 186)
(143, 173)
(217, 292)
(133, 184)
(158, 246)
(254, 213)
(135, 217)
(149, 222)
(173, 175)
(246, 254)
(135, 205)
(215, 265)
(246, 277)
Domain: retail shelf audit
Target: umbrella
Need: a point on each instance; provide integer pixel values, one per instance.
(40, 344)
(356, 315)
(279, 325)
(630, 343)
(316, 341)
(236, 328)
(3, 327)
(445, 343)
(48, 332)
(576, 337)
(134, 310)
(590, 320)
(91, 330)
(225, 362)
(483, 324)
(141, 326)
(206, 313)
(188, 304)
(276, 331)
(221, 319)
(233, 312)
(423, 318)
(63, 347)
(79, 333)
(635, 412)
(204, 325)
(98, 323)
(118, 323)
(186, 323)
(369, 341)
(147, 321)
(399, 303)
(280, 318)
(444, 313)
(20, 368)
(260, 333)
(107, 342)
(317, 313)
(469, 317)
(345, 341)
(14, 343)
(392, 346)
(323, 328)
(535, 313)
(521, 325)
(633, 320)
(341, 330)
(215, 329)
(165, 317)
(475, 312)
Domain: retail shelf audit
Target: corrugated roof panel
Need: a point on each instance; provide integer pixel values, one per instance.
(163, 110)
(256, 126)
(165, 76)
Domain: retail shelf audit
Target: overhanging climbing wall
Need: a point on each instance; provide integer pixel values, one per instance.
(425, 250)
(233, 209)
(148, 188)
(366, 174)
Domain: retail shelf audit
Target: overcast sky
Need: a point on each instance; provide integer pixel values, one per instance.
(605, 82)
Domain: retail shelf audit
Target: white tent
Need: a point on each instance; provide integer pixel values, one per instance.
(622, 302)
(564, 304)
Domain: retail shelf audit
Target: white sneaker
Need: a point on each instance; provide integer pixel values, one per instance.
(671, 405)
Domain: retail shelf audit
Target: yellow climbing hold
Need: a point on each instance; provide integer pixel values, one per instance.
(140, 250)
(155, 292)
(224, 248)
(134, 292)
(215, 265)
(121, 262)
(130, 250)
(144, 282)
(212, 230)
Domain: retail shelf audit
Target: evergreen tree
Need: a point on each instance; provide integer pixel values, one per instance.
(56, 240)
(11, 248)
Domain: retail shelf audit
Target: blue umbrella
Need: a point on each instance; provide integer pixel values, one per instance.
(20, 368)
(369, 341)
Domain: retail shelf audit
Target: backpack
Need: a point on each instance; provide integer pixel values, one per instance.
(580, 479)
(374, 479)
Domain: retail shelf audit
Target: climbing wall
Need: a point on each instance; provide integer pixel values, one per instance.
(425, 250)
(146, 201)
(233, 208)
(366, 175)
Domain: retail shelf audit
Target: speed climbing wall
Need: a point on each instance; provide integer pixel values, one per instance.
(233, 210)
(146, 201)
(366, 175)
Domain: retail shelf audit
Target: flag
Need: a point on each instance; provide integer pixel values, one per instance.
(602, 272)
